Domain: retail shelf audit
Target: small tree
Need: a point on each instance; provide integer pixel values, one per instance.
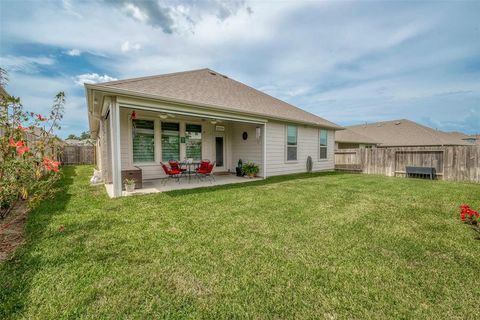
(28, 146)
(73, 137)
(85, 135)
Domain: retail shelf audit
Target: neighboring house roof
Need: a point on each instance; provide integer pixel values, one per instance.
(206, 87)
(75, 142)
(350, 136)
(404, 132)
(476, 137)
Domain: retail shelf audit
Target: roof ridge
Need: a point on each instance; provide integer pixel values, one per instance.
(265, 94)
(151, 77)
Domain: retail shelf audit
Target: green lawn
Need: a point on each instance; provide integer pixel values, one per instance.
(308, 246)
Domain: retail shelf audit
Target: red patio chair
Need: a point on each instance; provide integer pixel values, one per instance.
(171, 173)
(206, 171)
(203, 165)
(175, 166)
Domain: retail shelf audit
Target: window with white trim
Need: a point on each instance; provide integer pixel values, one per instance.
(291, 143)
(170, 141)
(143, 140)
(193, 141)
(323, 137)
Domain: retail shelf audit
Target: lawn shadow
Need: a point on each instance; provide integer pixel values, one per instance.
(253, 183)
(17, 272)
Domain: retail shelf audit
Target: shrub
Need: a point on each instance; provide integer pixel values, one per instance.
(470, 217)
(28, 169)
(250, 169)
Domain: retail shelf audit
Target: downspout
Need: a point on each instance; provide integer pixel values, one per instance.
(265, 151)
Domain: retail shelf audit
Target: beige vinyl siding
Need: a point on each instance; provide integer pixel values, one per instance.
(308, 145)
(247, 150)
(235, 147)
(154, 170)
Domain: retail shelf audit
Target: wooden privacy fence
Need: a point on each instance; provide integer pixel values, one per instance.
(456, 163)
(77, 155)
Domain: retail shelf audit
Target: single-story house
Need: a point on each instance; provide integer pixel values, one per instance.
(349, 139)
(398, 133)
(201, 114)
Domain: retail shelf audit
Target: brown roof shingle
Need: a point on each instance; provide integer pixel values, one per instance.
(208, 87)
(350, 136)
(404, 132)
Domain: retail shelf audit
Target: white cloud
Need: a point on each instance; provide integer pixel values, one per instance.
(341, 60)
(25, 64)
(132, 10)
(126, 46)
(74, 52)
(92, 78)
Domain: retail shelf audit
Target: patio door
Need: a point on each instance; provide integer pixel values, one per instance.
(220, 152)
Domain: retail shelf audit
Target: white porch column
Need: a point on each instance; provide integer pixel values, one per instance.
(115, 146)
(265, 151)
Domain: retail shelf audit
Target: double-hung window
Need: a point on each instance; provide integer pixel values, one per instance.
(323, 144)
(143, 141)
(170, 141)
(291, 143)
(193, 141)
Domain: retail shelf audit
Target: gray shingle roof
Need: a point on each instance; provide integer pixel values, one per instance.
(208, 87)
(350, 136)
(404, 132)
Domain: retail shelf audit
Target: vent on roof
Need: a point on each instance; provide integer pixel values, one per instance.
(397, 123)
(224, 76)
(212, 73)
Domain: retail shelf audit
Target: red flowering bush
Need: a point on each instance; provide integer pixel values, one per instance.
(28, 149)
(470, 217)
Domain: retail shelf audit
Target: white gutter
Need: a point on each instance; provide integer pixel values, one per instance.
(193, 114)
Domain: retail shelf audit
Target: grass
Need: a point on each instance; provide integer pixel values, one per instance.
(307, 246)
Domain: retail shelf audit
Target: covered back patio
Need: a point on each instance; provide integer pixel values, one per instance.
(164, 185)
(141, 136)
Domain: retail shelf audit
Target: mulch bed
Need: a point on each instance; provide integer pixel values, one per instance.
(12, 230)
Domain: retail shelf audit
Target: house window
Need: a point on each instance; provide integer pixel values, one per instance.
(193, 141)
(291, 143)
(323, 143)
(170, 141)
(143, 141)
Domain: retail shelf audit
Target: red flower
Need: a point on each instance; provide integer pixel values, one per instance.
(50, 165)
(23, 129)
(133, 116)
(41, 118)
(472, 215)
(21, 150)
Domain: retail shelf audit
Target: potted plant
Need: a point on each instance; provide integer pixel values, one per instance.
(250, 169)
(129, 185)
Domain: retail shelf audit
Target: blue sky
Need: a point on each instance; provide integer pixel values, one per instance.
(350, 62)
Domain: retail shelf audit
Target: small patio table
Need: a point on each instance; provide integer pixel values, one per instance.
(191, 166)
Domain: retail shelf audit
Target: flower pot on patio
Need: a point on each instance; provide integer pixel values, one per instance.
(129, 185)
(250, 169)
